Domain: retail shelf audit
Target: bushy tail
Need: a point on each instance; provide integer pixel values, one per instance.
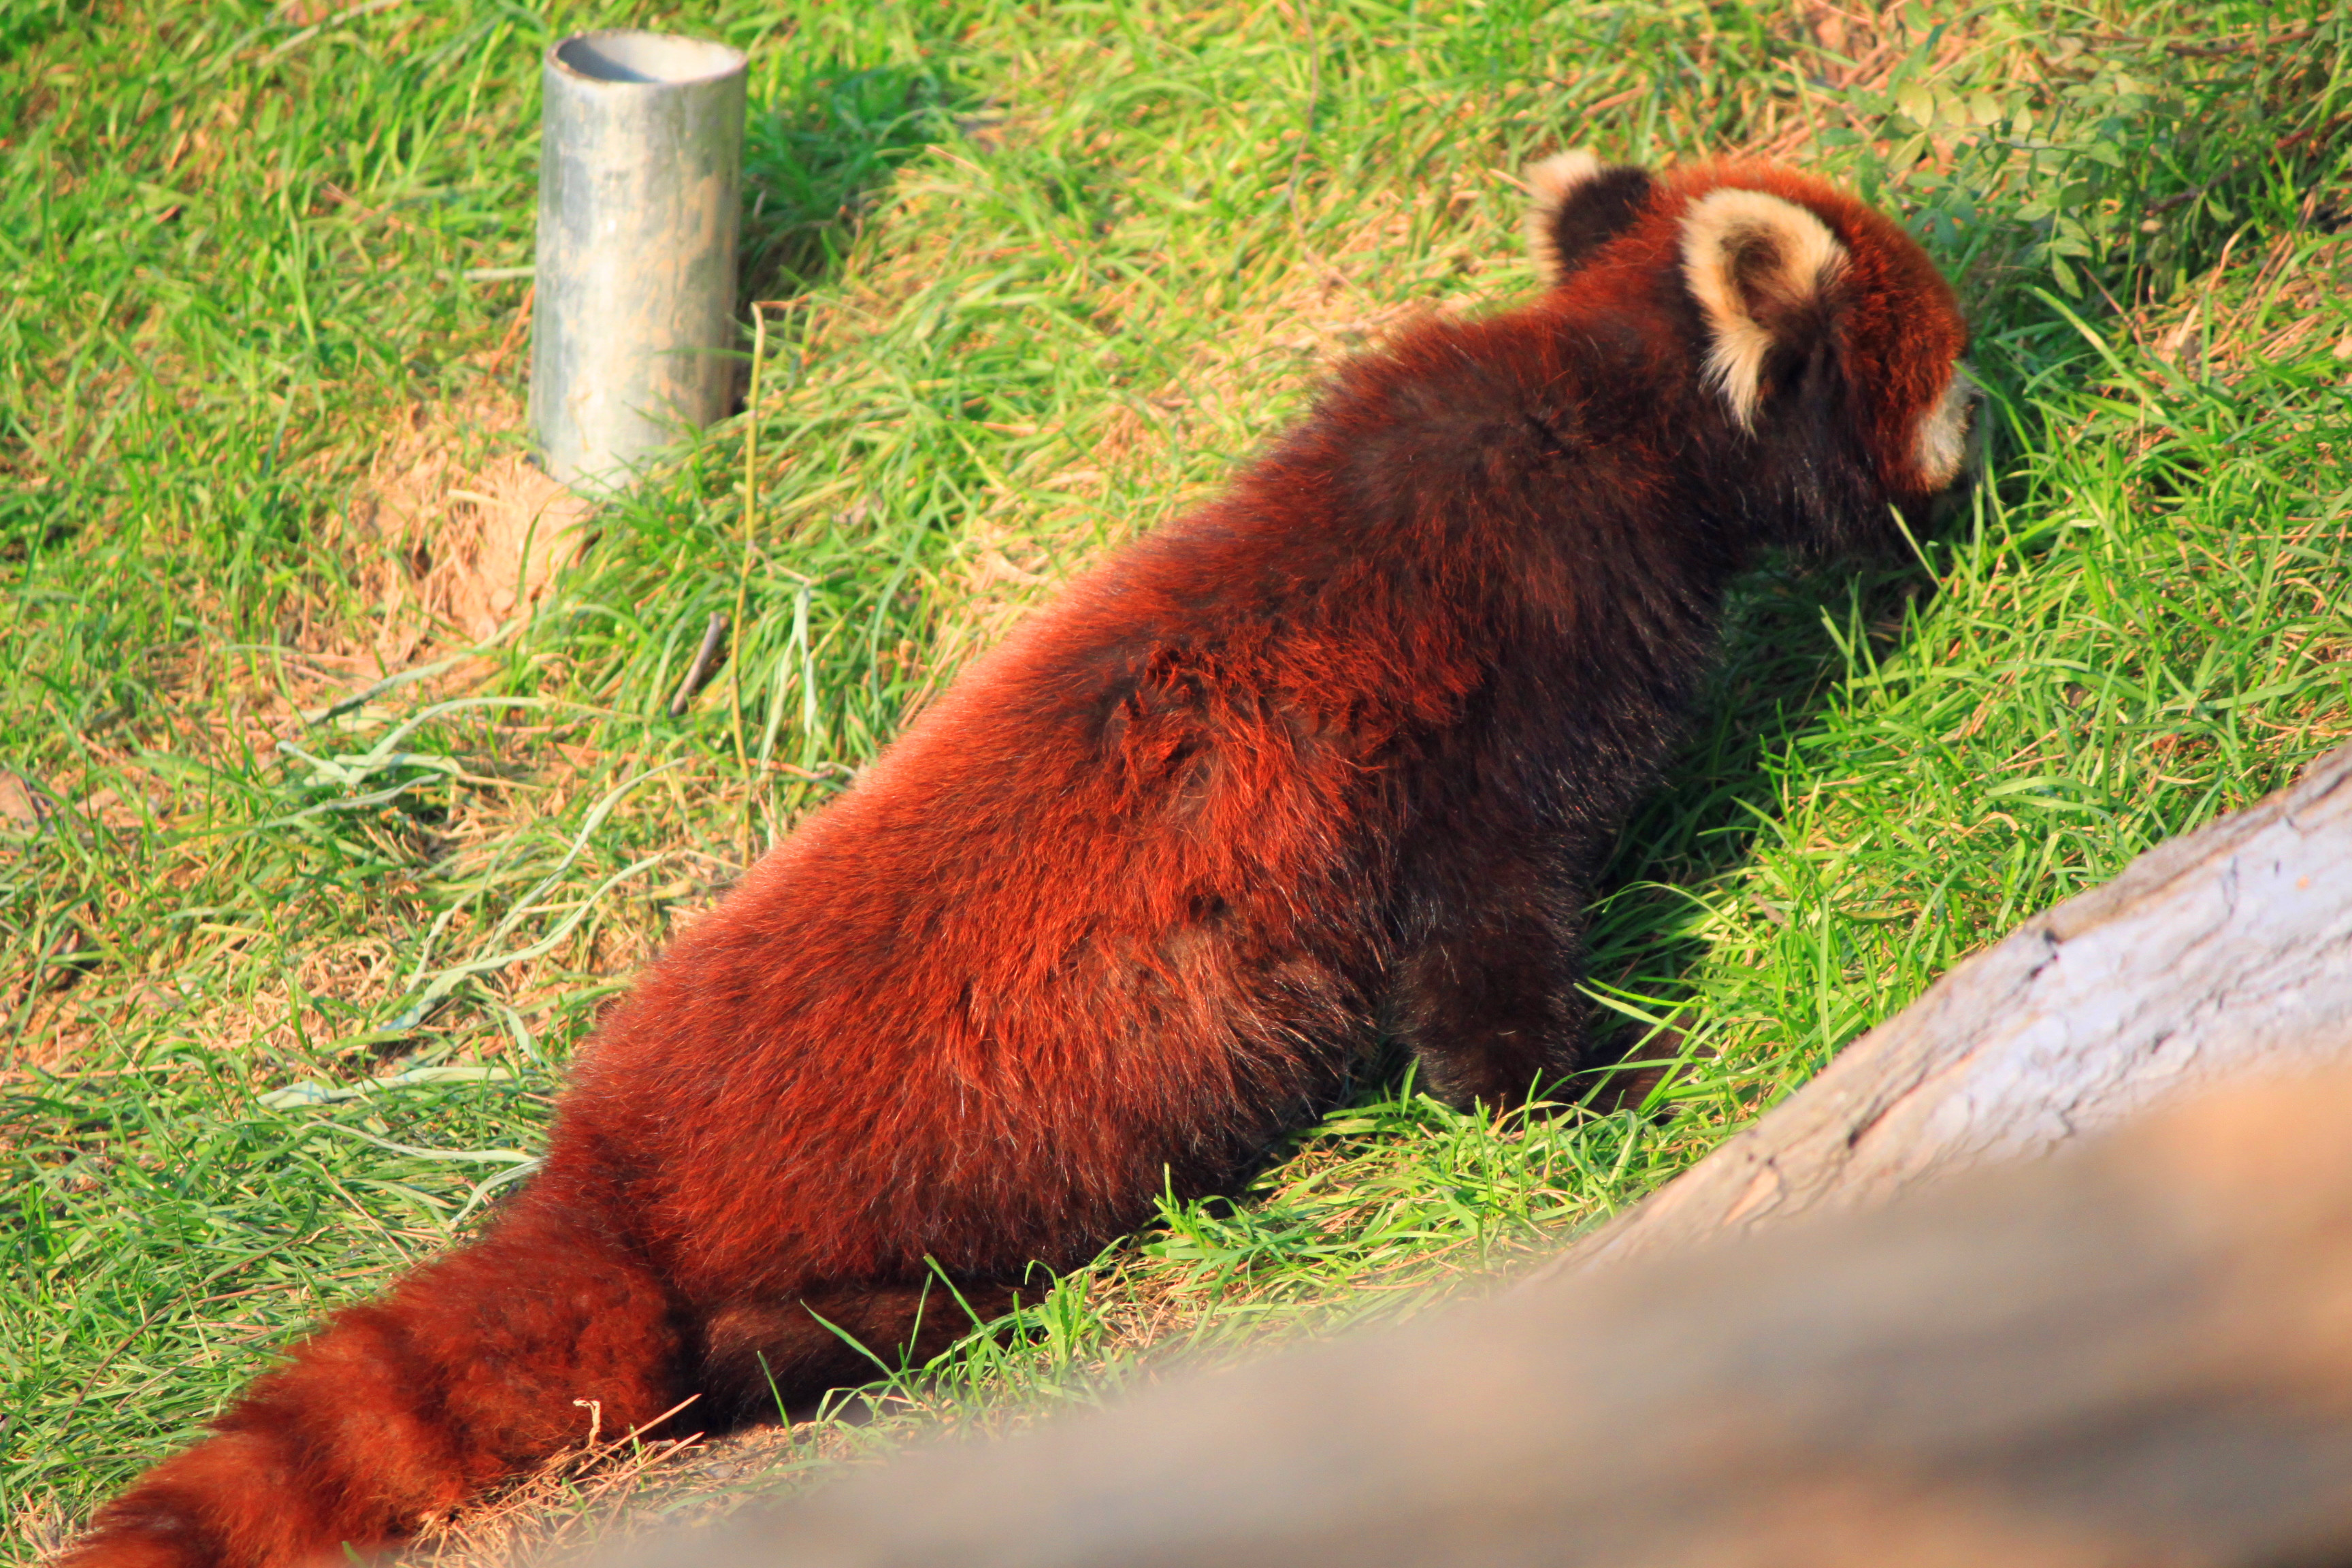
(396, 1411)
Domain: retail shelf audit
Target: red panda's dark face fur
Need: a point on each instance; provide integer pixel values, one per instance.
(1829, 343)
(1333, 757)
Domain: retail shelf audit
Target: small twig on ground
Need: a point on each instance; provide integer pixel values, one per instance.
(705, 660)
(2238, 45)
(337, 193)
(522, 319)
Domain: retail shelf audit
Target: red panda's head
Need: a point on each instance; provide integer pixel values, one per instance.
(1815, 320)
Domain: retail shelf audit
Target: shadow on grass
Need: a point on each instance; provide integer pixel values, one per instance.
(1780, 664)
(815, 158)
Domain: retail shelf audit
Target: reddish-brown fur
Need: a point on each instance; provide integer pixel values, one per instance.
(1335, 754)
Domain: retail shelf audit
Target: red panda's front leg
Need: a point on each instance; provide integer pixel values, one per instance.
(1484, 989)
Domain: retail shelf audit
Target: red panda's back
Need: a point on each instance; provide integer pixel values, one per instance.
(1104, 918)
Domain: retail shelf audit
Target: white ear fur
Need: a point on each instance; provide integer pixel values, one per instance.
(1723, 232)
(1553, 181)
(1940, 446)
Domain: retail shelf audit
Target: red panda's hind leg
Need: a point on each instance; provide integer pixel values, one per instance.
(776, 1361)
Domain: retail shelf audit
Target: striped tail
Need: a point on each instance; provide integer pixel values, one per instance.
(472, 1368)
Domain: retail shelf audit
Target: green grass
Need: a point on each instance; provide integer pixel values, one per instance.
(1048, 274)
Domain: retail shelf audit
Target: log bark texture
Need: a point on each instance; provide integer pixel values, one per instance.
(2224, 950)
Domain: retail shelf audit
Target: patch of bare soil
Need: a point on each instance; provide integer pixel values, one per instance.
(474, 536)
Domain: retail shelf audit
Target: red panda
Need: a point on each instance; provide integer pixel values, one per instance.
(1335, 755)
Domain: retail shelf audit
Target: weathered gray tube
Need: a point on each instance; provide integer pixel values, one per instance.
(633, 335)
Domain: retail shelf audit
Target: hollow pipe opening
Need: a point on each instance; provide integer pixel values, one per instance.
(648, 59)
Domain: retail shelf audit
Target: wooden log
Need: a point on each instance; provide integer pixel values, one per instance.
(2137, 1353)
(2224, 950)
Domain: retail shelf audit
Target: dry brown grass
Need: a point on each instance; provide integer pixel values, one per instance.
(452, 539)
(2233, 322)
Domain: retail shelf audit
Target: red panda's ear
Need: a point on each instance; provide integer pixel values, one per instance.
(1761, 270)
(1582, 204)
